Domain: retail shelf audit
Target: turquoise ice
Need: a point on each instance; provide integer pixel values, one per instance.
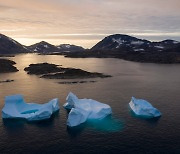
(15, 107)
(143, 108)
(84, 109)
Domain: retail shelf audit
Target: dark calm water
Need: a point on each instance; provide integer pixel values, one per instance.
(121, 133)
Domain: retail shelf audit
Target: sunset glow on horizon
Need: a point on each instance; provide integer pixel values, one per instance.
(85, 22)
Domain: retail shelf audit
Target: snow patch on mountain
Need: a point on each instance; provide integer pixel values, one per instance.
(138, 49)
(119, 41)
(159, 47)
(137, 42)
(46, 46)
(176, 42)
(68, 46)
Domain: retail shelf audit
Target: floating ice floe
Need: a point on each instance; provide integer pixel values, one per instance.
(143, 108)
(15, 107)
(84, 109)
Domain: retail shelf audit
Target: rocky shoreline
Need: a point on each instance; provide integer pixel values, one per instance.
(143, 57)
(76, 82)
(6, 81)
(6, 66)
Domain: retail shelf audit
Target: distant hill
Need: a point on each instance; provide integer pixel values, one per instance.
(121, 42)
(43, 47)
(10, 46)
(70, 48)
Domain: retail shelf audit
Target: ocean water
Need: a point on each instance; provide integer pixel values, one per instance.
(120, 133)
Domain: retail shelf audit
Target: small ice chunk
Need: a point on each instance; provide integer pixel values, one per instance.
(15, 107)
(143, 108)
(70, 101)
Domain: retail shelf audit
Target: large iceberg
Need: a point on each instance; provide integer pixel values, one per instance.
(84, 109)
(15, 107)
(143, 108)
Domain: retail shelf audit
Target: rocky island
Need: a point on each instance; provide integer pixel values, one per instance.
(6, 66)
(52, 71)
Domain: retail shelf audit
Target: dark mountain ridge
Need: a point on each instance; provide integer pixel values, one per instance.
(69, 48)
(120, 42)
(10, 46)
(43, 47)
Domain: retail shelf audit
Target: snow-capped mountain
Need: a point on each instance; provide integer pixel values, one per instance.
(10, 46)
(69, 48)
(43, 47)
(120, 41)
(128, 43)
(166, 45)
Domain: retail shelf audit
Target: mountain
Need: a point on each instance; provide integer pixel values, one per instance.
(43, 47)
(69, 48)
(133, 49)
(167, 45)
(121, 42)
(10, 46)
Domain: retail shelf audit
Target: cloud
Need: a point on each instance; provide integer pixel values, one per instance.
(95, 17)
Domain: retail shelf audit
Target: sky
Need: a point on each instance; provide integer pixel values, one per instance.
(85, 22)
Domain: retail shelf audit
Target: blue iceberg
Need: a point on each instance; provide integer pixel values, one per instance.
(143, 108)
(84, 109)
(15, 107)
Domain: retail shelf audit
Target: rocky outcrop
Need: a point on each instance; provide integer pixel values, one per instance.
(52, 71)
(6, 66)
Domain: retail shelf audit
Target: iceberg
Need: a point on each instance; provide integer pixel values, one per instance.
(84, 109)
(15, 107)
(143, 108)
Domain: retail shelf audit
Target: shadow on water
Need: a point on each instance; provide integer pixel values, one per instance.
(76, 131)
(14, 125)
(108, 124)
(149, 120)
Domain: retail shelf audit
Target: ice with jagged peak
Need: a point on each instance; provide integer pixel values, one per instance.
(84, 109)
(15, 107)
(143, 108)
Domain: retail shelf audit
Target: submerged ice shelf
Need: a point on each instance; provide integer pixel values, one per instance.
(143, 108)
(15, 107)
(84, 109)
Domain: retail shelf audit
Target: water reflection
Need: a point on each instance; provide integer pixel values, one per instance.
(18, 125)
(108, 124)
(14, 125)
(152, 121)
